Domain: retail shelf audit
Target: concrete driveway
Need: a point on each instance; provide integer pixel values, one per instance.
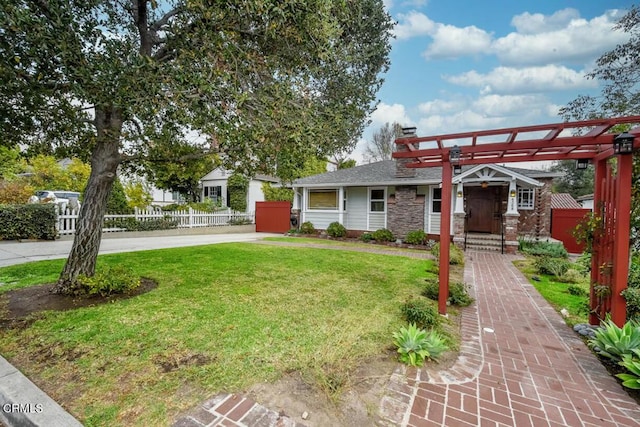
(18, 252)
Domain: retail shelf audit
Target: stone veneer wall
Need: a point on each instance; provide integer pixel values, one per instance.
(405, 211)
(537, 222)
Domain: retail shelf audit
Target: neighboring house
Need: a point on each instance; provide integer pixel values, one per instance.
(388, 195)
(214, 187)
(586, 201)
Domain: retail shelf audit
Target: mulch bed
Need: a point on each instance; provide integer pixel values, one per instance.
(22, 305)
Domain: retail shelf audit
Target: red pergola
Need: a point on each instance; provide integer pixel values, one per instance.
(589, 139)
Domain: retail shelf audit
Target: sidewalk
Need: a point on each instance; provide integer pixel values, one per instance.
(520, 365)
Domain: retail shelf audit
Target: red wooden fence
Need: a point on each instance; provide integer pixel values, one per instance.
(563, 221)
(273, 217)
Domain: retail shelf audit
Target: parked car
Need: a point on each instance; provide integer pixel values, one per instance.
(60, 197)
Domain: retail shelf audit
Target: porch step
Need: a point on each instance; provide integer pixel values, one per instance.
(484, 242)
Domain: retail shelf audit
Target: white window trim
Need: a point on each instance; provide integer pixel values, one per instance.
(532, 192)
(308, 198)
(383, 200)
(433, 199)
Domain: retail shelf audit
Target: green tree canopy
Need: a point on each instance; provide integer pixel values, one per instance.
(619, 71)
(574, 181)
(254, 77)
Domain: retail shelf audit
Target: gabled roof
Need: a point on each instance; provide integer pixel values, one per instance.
(492, 172)
(564, 201)
(384, 173)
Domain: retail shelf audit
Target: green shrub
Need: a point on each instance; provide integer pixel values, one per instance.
(631, 363)
(458, 292)
(633, 280)
(420, 312)
(583, 263)
(111, 280)
(632, 296)
(456, 256)
(554, 266)
(239, 221)
(415, 237)
(613, 342)
(383, 235)
(335, 229)
(415, 345)
(307, 228)
(30, 221)
(572, 276)
(238, 186)
(366, 237)
(537, 248)
(131, 224)
(577, 290)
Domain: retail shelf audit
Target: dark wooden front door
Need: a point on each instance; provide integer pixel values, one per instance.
(480, 213)
(483, 208)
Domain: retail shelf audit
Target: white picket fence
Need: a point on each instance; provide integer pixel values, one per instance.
(68, 218)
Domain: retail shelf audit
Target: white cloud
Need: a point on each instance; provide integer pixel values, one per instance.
(559, 38)
(451, 42)
(389, 113)
(440, 106)
(413, 24)
(535, 23)
(465, 120)
(508, 80)
(510, 105)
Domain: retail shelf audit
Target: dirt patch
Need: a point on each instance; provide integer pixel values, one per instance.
(357, 405)
(21, 306)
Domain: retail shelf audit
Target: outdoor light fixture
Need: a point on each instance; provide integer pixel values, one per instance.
(484, 184)
(623, 143)
(457, 169)
(454, 154)
(512, 193)
(582, 164)
(459, 194)
(409, 131)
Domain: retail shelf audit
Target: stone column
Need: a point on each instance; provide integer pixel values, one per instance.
(458, 229)
(511, 232)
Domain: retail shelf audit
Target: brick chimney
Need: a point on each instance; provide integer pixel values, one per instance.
(402, 171)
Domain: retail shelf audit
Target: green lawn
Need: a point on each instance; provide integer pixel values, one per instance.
(222, 318)
(557, 294)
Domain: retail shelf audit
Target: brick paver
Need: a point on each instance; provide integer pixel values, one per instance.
(520, 365)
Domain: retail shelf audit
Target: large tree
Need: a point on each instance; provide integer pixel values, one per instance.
(256, 77)
(619, 71)
(382, 143)
(577, 182)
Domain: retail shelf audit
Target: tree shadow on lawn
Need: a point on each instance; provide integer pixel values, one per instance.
(22, 306)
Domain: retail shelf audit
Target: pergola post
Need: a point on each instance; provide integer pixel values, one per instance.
(600, 180)
(621, 242)
(445, 235)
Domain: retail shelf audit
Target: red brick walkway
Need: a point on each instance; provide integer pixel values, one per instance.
(520, 365)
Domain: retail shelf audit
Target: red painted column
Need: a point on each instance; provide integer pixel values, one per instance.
(600, 176)
(445, 234)
(621, 240)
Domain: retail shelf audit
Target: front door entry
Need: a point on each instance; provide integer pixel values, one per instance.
(483, 206)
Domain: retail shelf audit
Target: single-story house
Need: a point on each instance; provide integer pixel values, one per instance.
(214, 186)
(586, 201)
(487, 199)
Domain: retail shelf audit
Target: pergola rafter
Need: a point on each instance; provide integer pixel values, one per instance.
(587, 139)
(561, 141)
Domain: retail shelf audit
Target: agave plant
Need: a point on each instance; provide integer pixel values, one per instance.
(632, 364)
(614, 342)
(415, 345)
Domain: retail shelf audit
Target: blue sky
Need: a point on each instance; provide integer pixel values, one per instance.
(463, 65)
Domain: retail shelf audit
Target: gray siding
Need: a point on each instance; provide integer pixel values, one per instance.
(319, 219)
(377, 220)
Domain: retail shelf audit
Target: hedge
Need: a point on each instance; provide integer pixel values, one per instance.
(31, 221)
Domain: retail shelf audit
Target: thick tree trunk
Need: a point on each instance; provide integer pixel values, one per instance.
(105, 159)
